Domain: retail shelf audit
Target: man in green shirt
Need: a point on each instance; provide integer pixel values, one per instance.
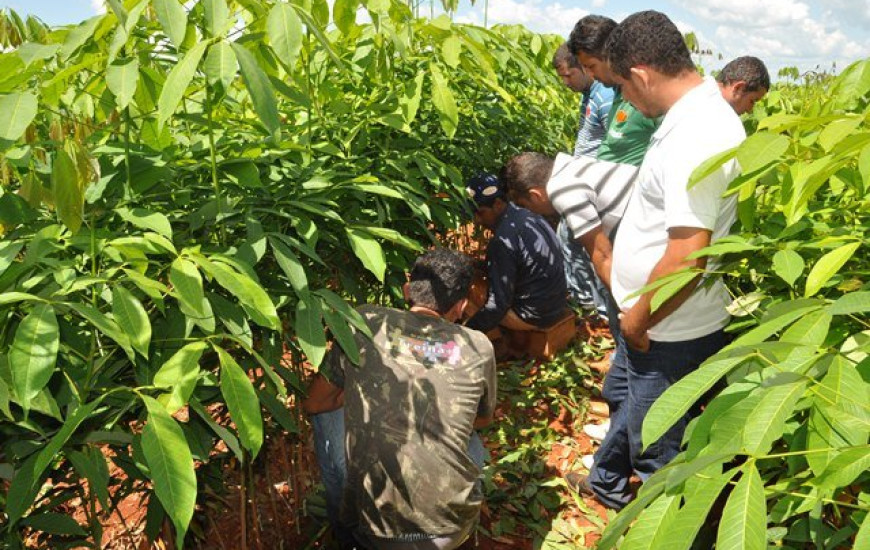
(628, 131)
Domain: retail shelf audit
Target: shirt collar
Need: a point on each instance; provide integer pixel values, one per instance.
(686, 105)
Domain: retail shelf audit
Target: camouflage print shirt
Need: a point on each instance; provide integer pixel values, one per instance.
(409, 412)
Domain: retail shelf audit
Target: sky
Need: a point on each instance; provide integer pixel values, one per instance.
(808, 35)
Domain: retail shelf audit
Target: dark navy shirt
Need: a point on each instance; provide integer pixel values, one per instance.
(524, 262)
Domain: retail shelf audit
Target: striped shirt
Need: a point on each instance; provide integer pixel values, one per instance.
(588, 192)
(594, 114)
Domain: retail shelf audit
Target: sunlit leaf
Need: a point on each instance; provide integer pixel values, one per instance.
(33, 354)
(828, 266)
(242, 402)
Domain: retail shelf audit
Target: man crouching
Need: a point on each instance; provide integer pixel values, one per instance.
(411, 408)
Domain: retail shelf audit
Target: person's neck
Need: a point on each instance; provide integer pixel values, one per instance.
(674, 88)
(422, 310)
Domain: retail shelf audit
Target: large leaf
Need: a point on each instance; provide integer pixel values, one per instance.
(284, 30)
(369, 251)
(344, 14)
(854, 302)
(69, 200)
(19, 110)
(340, 329)
(828, 266)
(226, 435)
(173, 19)
(309, 328)
(788, 265)
(679, 398)
(709, 166)
(260, 89)
(744, 519)
(146, 219)
(688, 521)
(844, 468)
(289, 263)
(180, 375)
(767, 421)
(132, 318)
(171, 464)
(242, 401)
(862, 539)
(217, 16)
(122, 77)
(187, 282)
(251, 295)
(759, 149)
(652, 527)
(91, 464)
(105, 325)
(220, 65)
(177, 81)
(28, 479)
(444, 102)
(79, 36)
(33, 354)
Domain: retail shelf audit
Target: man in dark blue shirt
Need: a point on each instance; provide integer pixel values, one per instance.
(527, 287)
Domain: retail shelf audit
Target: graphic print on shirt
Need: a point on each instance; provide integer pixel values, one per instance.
(425, 351)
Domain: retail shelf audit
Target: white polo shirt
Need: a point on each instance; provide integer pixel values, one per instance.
(589, 193)
(701, 124)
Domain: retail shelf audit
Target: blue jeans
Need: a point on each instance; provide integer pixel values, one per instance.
(329, 432)
(647, 376)
(584, 286)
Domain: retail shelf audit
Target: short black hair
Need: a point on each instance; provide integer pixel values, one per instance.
(563, 56)
(648, 38)
(526, 171)
(439, 279)
(590, 35)
(748, 69)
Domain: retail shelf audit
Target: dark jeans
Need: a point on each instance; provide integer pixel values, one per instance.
(329, 445)
(647, 376)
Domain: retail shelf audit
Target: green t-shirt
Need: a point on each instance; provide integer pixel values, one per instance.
(409, 410)
(628, 133)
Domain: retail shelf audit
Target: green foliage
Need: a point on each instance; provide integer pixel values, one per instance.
(793, 425)
(193, 194)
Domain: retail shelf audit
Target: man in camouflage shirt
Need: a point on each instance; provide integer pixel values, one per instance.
(411, 408)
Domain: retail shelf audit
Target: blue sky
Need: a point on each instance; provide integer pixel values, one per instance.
(781, 32)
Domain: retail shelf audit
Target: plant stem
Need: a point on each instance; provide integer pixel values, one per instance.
(214, 175)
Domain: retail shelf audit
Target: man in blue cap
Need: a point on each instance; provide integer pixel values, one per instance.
(527, 288)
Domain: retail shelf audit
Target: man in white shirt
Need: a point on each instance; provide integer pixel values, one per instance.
(664, 223)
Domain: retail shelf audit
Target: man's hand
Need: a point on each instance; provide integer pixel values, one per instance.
(634, 325)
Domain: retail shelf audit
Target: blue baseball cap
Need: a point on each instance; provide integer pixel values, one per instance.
(484, 188)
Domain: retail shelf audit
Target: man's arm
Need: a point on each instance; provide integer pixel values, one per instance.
(682, 241)
(600, 251)
(323, 396)
(502, 269)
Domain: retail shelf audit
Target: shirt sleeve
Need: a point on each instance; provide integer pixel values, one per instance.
(699, 206)
(502, 269)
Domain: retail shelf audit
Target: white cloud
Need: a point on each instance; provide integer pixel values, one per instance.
(99, 6)
(534, 14)
(598, 3)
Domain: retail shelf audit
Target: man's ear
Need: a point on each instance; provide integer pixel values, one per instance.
(738, 88)
(455, 312)
(538, 194)
(406, 291)
(642, 75)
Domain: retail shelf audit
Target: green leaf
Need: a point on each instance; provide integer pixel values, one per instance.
(759, 149)
(673, 286)
(19, 110)
(260, 89)
(772, 325)
(91, 464)
(338, 304)
(173, 19)
(284, 30)
(187, 283)
(180, 374)
(54, 524)
(220, 65)
(837, 131)
(171, 464)
(79, 36)
(679, 398)
(862, 539)
(342, 333)
(410, 100)
(223, 433)
(688, 521)
(444, 102)
(344, 14)
(652, 527)
(68, 197)
(854, 302)
(242, 402)
(710, 166)
(369, 251)
(828, 266)
(33, 354)
(744, 519)
(217, 16)
(290, 265)
(766, 423)
(309, 328)
(251, 295)
(844, 468)
(28, 479)
(105, 325)
(145, 219)
(451, 48)
(177, 81)
(788, 265)
(648, 493)
(132, 319)
(122, 77)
